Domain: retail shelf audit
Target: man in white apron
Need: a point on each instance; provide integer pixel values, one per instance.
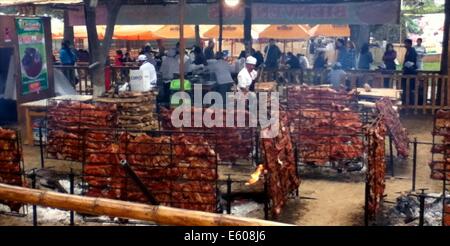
(148, 70)
(247, 75)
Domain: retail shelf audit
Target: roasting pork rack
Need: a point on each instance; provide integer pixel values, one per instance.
(375, 175)
(168, 160)
(236, 146)
(65, 120)
(12, 166)
(327, 105)
(440, 161)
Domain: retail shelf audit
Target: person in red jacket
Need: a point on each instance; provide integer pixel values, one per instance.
(118, 59)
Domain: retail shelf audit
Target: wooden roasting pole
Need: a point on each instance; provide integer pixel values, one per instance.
(99, 206)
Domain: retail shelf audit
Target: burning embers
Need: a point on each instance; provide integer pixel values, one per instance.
(254, 177)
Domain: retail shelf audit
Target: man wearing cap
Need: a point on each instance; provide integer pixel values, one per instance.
(148, 69)
(247, 75)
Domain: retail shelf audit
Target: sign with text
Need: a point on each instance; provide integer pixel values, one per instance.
(33, 55)
(373, 12)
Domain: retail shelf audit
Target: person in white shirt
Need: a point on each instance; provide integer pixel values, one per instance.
(222, 70)
(304, 63)
(336, 77)
(247, 75)
(421, 52)
(170, 65)
(149, 71)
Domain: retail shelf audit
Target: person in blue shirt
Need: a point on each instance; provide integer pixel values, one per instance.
(349, 60)
(292, 61)
(68, 58)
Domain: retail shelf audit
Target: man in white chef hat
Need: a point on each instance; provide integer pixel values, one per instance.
(247, 75)
(149, 71)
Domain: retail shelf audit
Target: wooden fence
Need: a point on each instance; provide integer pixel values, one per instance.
(426, 91)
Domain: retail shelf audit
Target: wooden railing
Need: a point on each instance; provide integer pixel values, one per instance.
(84, 76)
(426, 91)
(121, 73)
(84, 83)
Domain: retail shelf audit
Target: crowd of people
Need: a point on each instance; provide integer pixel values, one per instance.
(166, 61)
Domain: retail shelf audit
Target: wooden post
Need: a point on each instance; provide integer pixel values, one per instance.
(114, 208)
(68, 29)
(221, 25)
(248, 26)
(197, 36)
(445, 65)
(182, 4)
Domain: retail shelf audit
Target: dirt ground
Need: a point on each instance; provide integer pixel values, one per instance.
(326, 198)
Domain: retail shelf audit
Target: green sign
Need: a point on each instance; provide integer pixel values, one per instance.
(33, 55)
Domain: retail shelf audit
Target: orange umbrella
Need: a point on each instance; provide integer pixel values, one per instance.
(173, 32)
(81, 32)
(136, 32)
(330, 31)
(285, 32)
(228, 32)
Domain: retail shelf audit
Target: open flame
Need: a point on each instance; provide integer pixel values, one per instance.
(254, 177)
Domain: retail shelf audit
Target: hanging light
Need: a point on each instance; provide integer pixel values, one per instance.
(232, 3)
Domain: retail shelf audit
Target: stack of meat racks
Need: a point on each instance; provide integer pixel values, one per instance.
(177, 169)
(326, 126)
(375, 185)
(136, 110)
(68, 123)
(11, 163)
(440, 164)
(233, 144)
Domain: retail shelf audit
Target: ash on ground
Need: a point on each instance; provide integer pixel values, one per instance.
(247, 208)
(406, 211)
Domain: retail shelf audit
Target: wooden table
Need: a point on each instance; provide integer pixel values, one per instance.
(378, 93)
(367, 99)
(39, 108)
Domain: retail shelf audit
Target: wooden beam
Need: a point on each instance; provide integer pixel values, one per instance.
(248, 26)
(220, 24)
(182, 6)
(114, 208)
(68, 29)
(445, 64)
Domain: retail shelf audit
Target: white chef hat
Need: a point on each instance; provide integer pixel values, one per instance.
(250, 60)
(142, 58)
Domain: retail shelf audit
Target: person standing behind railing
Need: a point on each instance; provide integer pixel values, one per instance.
(336, 77)
(409, 68)
(303, 60)
(170, 65)
(341, 51)
(320, 64)
(365, 58)
(68, 58)
(273, 55)
(421, 52)
(349, 59)
(389, 62)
